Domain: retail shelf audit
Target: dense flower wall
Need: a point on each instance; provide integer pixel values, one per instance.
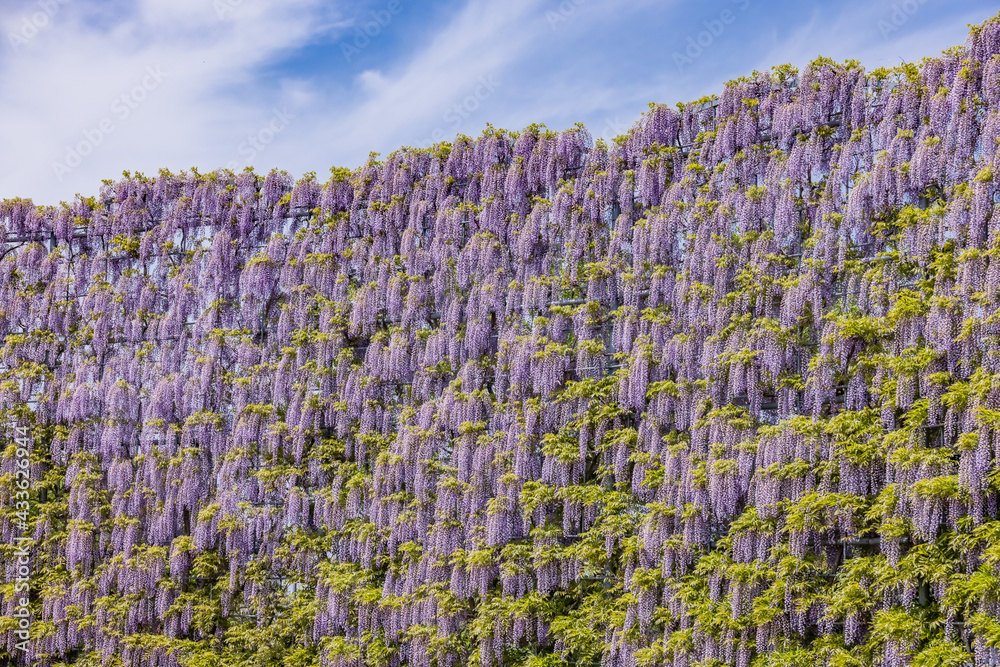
(725, 392)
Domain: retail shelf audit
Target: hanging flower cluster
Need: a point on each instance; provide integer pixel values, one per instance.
(725, 392)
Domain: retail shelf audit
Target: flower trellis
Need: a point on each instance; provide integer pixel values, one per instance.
(722, 392)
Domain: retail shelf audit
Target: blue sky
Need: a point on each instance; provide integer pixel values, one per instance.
(94, 87)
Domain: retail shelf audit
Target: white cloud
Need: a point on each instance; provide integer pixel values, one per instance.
(464, 63)
(508, 63)
(372, 81)
(487, 64)
(185, 14)
(858, 31)
(63, 89)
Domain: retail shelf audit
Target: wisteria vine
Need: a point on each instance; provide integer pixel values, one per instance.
(723, 392)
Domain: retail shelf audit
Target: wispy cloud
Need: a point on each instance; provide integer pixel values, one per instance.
(233, 65)
(851, 31)
(405, 104)
(73, 75)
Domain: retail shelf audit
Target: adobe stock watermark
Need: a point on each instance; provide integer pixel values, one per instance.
(616, 127)
(22, 505)
(365, 32)
(900, 14)
(699, 43)
(562, 13)
(224, 7)
(258, 141)
(121, 108)
(487, 85)
(34, 23)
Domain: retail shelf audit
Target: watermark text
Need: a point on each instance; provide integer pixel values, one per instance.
(22, 499)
